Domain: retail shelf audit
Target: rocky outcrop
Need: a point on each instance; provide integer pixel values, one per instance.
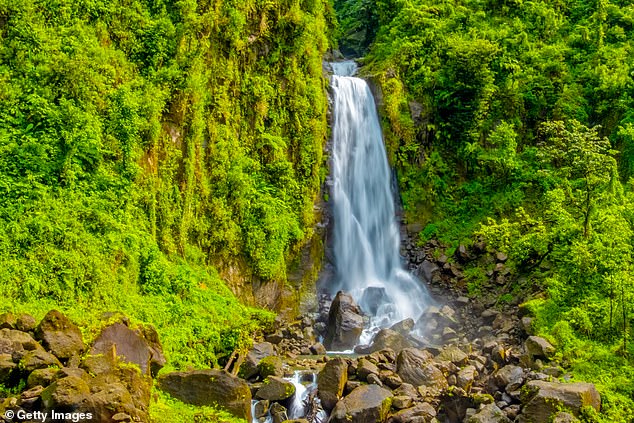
(209, 387)
(345, 323)
(544, 399)
(367, 403)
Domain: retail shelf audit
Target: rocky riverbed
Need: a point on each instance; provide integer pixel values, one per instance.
(463, 360)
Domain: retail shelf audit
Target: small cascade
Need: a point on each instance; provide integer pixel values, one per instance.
(303, 405)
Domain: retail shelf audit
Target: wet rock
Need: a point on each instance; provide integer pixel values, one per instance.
(538, 347)
(249, 367)
(261, 409)
(414, 367)
(59, 335)
(423, 412)
(367, 403)
(209, 387)
(388, 338)
(278, 413)
(542, 399)
(404, 327)
(331, 382)
(275, 389)
(318, 349)
(345, 323)
(489, 413)
(372, 297)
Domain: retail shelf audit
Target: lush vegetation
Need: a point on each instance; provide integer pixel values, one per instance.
(512, 122)
(147, 147)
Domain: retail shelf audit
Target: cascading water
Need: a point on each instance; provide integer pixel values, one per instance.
(366, 234)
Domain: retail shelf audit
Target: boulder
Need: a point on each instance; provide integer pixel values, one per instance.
(489, 413)
(465, 377)
(318, 349)
(271, 366)
(331, 382)
(41, 377)
(404, 327)
(423, 410)
(372, 298)
(454, 355)
(69, 393)
(111, 399)
(509, 377)
(538, 347)
(388, 338)
(38, 359)
(365, 368)
(7, 368)
(8, 321)
(415, 367)
(345, 323)
(16, 343)
(209, 387)
(278, 413)
(59, 335)
(275, 389)
(249, 367)
(26, 323)
(427, 269)
(542, 400)
(132, 346)
(367, 403)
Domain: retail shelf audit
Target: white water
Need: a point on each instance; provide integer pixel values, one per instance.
(305, 384)
(366, 233)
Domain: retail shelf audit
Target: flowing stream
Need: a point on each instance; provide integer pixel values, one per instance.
(366, 233)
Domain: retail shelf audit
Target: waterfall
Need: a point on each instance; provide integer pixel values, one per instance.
(366, 239)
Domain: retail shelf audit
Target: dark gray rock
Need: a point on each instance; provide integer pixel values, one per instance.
(345, 323)
(367, 403)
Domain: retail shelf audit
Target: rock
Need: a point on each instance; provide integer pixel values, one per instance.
(415, 367)
(16, 343)
(26, 323)
(38, 359)
(318, 349)
(407, 390)
(111, 399)
(69, 393)
(390, 379)
(271, 366)
(538, 347)
(365, 368)
(527, 325)
(275, 389)
(331, 382)
(249, 367)
(404, 327)
(489, 413)
(544, 399)
(465, 377)
(372, 298)
(509, 377)
(563, 417)
(461, 254)
(41, 377)
(424, 410)
(59, 335)
(401, 402)
(274, 338)
(209, 387)
(374, 379)
(453, 354)
(278, 413)
(7, 321)
(367, 403)
(132, 346)
(427, 270)
(7, 368)
(388, 338)
(345, 323)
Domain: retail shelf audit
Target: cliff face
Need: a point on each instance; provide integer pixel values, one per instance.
(139, 138)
